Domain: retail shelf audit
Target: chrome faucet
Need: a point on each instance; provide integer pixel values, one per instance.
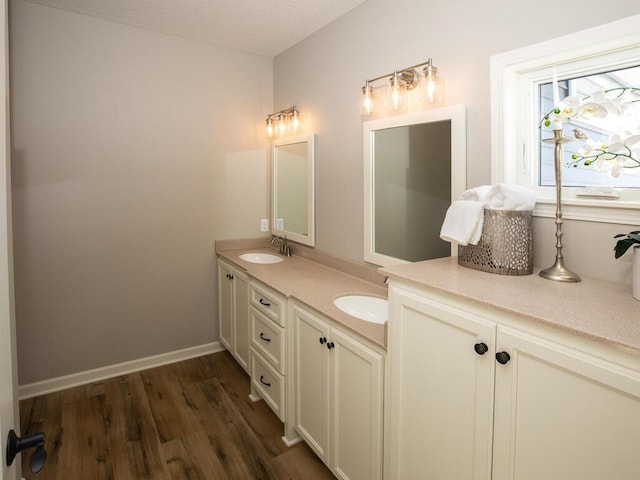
(285, 248)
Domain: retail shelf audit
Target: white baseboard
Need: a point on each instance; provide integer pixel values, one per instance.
(110, 371)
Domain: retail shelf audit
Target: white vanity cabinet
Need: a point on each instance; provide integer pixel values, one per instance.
(474, 394)
(562, 413)
(268, 343)
(233, 311)
(338, 396)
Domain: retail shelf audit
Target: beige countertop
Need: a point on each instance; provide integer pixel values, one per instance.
(315, 285)
(593, 308)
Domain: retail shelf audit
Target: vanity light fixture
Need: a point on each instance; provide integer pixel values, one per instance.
(283, 122)
(401, 82)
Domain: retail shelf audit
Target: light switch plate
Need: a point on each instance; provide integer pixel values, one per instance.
(264, 225)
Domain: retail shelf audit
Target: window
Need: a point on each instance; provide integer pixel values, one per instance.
(592, 60)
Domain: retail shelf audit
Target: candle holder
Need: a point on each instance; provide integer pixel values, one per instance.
(558, 271)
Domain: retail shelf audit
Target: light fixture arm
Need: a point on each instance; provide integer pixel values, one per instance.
(410, 71)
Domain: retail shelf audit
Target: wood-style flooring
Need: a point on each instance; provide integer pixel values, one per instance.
(188, 420)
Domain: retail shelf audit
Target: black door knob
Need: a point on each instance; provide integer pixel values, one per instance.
(323, 340)
(15, 444)
(330, 345)
(503, 357)
(481, 348)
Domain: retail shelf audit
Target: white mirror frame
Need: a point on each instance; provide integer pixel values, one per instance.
(457, 115)
(310, 238)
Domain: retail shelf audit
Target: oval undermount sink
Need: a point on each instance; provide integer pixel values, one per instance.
(260, 257)
(364, 307)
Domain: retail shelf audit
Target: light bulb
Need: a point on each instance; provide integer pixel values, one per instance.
(367, 99)
(295, 121)
(432, 84)
(269, 127)
(282, 124)
(396, 92)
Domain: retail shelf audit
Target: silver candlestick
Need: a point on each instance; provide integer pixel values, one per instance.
(558, 271)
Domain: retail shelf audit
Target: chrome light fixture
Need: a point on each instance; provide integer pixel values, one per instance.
(283, 122)
(401, 82)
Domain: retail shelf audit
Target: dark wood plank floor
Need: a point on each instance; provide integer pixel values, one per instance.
(188, 420)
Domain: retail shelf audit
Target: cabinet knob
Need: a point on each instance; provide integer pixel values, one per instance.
(262, 337)
(503, 357)
(231, 277)
(266, 304)
(323, 340)
(330, 345)
(228, 275)
(481, 348)
(266, 384)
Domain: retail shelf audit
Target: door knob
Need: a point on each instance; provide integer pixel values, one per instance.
(481, 348)
(15, 444)
(503, 357)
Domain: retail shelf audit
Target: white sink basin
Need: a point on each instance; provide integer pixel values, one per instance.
(364, 307)
(260, 258)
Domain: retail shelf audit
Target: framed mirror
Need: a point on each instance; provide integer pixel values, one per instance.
(293, 193)
(414, 167)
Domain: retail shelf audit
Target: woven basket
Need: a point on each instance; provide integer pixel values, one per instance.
(506, 244)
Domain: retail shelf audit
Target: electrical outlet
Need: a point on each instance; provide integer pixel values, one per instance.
(264, 225)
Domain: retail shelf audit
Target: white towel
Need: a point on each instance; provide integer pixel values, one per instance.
(463, 222)
(510, 197)
(478, 194)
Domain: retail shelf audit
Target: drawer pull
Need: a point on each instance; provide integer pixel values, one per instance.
(263, 382)
(262, 337)
(266, 304)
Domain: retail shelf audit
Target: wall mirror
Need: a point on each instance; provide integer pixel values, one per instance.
(293, 195)
(414, 165)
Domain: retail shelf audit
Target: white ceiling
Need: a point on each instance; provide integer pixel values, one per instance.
(262, 27)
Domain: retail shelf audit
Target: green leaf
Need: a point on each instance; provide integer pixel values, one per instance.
(622, 246)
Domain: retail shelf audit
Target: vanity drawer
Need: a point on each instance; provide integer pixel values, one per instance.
(269, 302)
(268, 339)
(268, 383)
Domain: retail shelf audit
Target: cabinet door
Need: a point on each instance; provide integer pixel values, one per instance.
(563, 414)
(312, 381)
(241, 337)
(440, 412)
(356, 409)
(225, 305)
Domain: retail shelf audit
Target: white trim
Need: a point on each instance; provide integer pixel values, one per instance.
(507, 98)
(310, 238)
(97, 374)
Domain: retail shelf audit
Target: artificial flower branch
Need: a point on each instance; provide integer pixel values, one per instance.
(599, 105)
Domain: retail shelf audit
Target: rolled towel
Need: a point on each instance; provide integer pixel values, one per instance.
(463, 222)
(478, 194)
(510, 197)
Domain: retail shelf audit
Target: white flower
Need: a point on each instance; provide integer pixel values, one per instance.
(632, 140)
(591, 109)
(615, 171)
(585, 150)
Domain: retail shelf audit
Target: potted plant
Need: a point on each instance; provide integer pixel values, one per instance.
(625, 242)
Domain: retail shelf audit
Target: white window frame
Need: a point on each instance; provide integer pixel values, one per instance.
(515, 77)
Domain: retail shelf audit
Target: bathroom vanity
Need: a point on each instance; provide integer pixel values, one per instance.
(319, 369)
(498, 377)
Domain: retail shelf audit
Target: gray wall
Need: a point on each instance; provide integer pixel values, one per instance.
(323, 74)
(132, 152)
